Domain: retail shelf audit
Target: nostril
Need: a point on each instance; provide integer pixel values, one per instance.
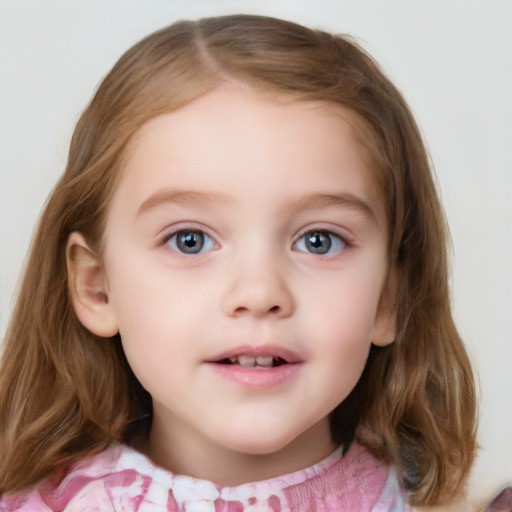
(241, 310)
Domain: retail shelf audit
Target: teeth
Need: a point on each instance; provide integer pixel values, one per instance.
(265, 361)
(252, 362)
(247, 361)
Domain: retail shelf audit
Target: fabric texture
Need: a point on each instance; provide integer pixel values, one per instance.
(502, 502)
(121, 479)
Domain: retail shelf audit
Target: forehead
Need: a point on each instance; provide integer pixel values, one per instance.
(235, 139)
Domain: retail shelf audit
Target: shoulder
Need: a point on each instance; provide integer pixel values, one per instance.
(366, 482)
(92, 483)
(354, 482)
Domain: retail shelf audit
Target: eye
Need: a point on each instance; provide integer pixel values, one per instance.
(190, 241)
(320, 242)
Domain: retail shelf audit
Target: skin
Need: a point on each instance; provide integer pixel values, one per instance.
(260, 176)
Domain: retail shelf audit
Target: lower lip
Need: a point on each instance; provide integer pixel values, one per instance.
(257, 378)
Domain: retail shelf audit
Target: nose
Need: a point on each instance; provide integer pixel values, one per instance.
(258, 287)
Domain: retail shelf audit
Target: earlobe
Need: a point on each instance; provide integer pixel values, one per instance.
(88, 288)
(384, 329)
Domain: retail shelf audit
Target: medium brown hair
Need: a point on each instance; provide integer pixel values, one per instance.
(65, 392)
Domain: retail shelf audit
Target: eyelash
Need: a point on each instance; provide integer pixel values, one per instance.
(189, 235)
(335, 243)
(339, 242)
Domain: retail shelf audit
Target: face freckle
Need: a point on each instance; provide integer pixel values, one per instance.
(246, 260)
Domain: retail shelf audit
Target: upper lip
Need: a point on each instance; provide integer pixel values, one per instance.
(257, 351)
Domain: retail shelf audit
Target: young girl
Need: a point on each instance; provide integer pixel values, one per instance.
(237, 296)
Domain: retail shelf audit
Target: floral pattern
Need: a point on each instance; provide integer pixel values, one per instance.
(121, 479)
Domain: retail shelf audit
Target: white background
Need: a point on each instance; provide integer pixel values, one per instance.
(452, 60)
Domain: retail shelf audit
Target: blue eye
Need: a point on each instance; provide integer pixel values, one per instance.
(190, 241)
(320, 242)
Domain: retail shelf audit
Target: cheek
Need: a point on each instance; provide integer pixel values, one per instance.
(346, 308)
(345, 349)
(148, 296)
(157, 314)
(345, 341)
(341, 324)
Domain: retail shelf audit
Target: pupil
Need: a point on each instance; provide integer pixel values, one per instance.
(190, 242)
(318, 242)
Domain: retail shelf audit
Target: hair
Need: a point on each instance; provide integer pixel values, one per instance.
(65, 392)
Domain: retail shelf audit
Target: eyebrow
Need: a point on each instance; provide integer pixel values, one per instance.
(166, 196)
(310, 202)
(344, 200)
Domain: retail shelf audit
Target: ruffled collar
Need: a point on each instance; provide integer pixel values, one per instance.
(187, 489)
(123, 479)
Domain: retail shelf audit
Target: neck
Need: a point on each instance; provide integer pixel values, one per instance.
(183, 452)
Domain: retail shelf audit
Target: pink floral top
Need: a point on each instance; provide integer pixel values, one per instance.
(121, 479)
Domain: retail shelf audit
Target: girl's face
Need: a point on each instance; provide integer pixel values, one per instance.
(245, 267)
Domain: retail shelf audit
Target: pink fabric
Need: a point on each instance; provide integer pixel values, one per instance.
(121, 479)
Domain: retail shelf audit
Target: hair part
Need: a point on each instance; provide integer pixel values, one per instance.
(416, 399)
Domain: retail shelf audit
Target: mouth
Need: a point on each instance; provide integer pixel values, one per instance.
(263, 357)
(257, 367)
(247, 361)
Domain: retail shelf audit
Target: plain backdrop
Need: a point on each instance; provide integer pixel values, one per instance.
(451, 59)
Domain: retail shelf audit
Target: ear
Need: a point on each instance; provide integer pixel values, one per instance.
(384, 329)
(88, 288)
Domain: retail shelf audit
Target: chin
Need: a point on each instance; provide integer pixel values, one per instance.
(264, 442)
(261, 446)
